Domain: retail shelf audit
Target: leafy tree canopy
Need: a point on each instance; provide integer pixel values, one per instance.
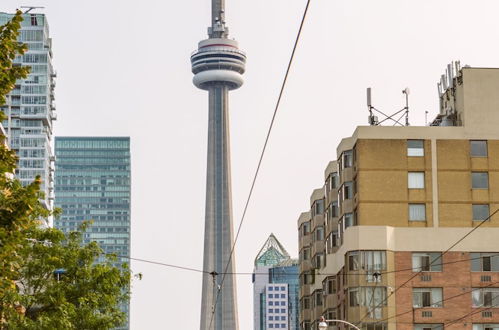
(48, 279)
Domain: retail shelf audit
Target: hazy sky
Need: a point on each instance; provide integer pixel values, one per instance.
(123, 69)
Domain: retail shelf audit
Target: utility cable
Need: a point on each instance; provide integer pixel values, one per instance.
(293, 274)
(261, 158)
(438, 302)
(479, 310)
(439, 257)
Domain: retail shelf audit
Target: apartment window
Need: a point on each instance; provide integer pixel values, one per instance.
(368, 296)
(318, 298)
(484, 262)
(332, 181)
(306, 303)
(333, 209)
(428, 326)
(347, 159)
(306, 325)
(415, 180)
(374, 326)
(318, 207)
(329, 285)
(373, 262)
(319, 260)
(489, 326)
(348, 190)
(415, 148)
(427, 262)
(319, 233)
(480, 211)
(478, 148)
(417, 212)
(479, 180)
(353, 260)
(353, 297)
(485, 297)
(305, 228)
(426, 297)
(348, 220)
(306, 254)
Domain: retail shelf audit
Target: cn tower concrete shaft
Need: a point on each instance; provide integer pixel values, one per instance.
(218, 65)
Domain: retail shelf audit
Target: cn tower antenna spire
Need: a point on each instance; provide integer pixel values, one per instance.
(218, 66)
(218, 28)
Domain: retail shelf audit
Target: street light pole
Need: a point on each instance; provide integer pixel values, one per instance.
(323, 323)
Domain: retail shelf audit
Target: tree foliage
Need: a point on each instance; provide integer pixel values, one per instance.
(87, 293)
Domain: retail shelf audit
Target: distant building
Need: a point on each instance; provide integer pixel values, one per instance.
(275, 288)
(372, 245)
(30, 107)
(92, 182)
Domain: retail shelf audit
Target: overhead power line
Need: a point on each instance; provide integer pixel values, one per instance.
(439, 302)
(297, 274)
(431, 263)
(261, 157)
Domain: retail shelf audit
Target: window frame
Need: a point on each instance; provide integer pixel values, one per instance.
(427, 293)
(475, 212)
(476, 152)
(410, 215)
(414, 175)
(415, 151)
(476, 181)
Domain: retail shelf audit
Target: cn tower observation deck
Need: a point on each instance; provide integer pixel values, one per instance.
(218, 65)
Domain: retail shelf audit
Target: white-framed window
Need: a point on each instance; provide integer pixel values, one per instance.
(484, 262)
(427, 262)
(478, 148)
(479, 180)
(485, 297)
(417, 212)
(428, 326)
(489, 326)
(415, 180)
(480, 211)
(426, 297)
(415, 148)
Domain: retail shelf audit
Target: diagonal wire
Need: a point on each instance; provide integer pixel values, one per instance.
(431, 263)
(478, 310)
(437, 302)
(297, 274)
(261, 158)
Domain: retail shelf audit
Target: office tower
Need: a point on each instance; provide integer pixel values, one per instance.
(372, 245)
(30, 107)
(218, 65)
(275, 288)
(92, 182)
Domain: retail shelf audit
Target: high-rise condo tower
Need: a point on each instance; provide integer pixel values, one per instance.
(30, 107)
(218, 65)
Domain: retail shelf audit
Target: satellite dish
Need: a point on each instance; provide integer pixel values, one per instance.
(406, 91)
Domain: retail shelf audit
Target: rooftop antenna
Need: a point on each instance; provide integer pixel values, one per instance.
(426, 117)
(373, 120)
(30, 8)
(406, 91)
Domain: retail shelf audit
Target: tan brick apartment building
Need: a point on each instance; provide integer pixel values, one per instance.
(396, 198)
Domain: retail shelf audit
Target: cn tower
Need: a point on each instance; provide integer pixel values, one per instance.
(218, 65)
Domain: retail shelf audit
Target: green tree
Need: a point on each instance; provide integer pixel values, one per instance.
(87, 292)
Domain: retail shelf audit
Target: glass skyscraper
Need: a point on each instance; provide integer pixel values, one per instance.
(275, 288)
(92, 182)
(30, 107)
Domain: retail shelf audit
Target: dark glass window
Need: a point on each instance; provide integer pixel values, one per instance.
(478, 148)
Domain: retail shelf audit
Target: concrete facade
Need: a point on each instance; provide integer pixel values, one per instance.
(394, 201)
